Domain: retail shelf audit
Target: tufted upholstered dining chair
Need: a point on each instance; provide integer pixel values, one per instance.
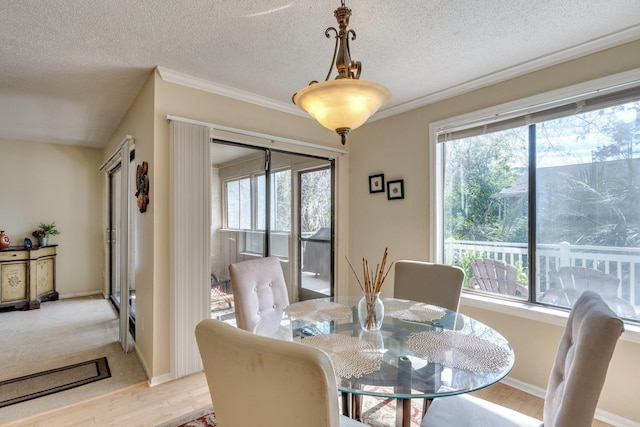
(259, 288)
(575, 382)
(436, 284)
(261, 381)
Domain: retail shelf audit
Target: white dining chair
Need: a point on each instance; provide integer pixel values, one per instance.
(575, 382)
(259, 288)
(436, 284)
(261, 381)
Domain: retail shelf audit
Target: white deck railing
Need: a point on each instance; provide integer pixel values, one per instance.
(624, 263)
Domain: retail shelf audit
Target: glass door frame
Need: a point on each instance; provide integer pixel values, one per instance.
(303, 293)
(112, 236)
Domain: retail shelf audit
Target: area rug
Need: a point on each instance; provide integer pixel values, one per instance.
(203, 417)
(44, 383)
(376, 412)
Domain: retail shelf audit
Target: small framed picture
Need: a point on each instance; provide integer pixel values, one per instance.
(376, 183)
(395, 189)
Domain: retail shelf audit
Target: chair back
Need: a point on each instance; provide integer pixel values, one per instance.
(567, 283)
(259, 288)
(581, 363)
(260, 381)
(583, 278)
(436, 284)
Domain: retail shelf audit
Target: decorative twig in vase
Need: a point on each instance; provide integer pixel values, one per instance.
(370, 308)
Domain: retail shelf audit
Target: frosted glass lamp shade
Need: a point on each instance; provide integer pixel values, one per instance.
(342, 103)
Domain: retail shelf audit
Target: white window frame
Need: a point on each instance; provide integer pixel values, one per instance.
(500, 112)
(253, 179)
(226, 202)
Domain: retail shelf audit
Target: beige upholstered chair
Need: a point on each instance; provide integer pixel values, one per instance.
(436, 284)
(260, 381)
(258, 289)
(575, 381)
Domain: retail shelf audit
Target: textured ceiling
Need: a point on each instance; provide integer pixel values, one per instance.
(69, 69)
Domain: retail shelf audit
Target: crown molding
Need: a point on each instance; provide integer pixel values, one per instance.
(228, 91)
(612, 40)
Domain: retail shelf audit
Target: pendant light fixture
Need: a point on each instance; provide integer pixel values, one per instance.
(347, 102)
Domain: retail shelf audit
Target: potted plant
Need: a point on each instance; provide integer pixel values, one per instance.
(44, 231)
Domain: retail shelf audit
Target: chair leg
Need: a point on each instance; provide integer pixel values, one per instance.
(425, 406)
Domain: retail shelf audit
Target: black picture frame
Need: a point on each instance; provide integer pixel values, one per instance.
(395, 189)
(376, 183)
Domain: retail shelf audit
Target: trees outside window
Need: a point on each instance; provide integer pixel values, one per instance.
(583, 203)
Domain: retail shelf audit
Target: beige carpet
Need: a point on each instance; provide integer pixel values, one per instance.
(62, 333)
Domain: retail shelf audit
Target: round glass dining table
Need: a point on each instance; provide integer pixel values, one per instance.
(421, 351)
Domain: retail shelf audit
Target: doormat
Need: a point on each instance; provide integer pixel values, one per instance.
(52, 381)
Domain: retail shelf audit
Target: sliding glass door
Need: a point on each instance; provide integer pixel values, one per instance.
(124, 302)
(315, 245)
(257, 200)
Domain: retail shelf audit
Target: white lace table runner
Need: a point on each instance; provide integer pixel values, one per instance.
(455, 350)
(318, 311)
(413, 311)
(351, 356)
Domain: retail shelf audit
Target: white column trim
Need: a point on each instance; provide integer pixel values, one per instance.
(114, 155)
(125, 234)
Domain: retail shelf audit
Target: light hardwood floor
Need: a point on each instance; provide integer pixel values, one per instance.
(140, 405)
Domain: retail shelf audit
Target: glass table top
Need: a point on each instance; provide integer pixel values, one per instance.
(450, 353)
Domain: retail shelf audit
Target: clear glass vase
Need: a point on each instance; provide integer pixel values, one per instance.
(371, 312)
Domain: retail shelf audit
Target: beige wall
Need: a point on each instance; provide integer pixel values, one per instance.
(61, 184)
(399, 147)
(194, 104)
(147, 122)
(138, 123)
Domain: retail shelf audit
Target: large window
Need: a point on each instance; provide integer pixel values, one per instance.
(245, 202)
(542, 206)
(246, 209)
(238, 198)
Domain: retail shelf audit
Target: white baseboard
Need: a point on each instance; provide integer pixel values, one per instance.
(161, 379)
(526, 387)
(604, 416)
(81, 294)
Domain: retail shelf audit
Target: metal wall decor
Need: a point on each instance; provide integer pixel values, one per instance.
(142, 186)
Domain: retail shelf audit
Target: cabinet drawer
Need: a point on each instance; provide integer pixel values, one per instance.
(13, 255)
(46, 251)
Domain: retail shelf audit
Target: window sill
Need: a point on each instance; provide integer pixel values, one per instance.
(535, 312)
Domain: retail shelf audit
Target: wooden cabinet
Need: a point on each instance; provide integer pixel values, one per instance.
(27, 276)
